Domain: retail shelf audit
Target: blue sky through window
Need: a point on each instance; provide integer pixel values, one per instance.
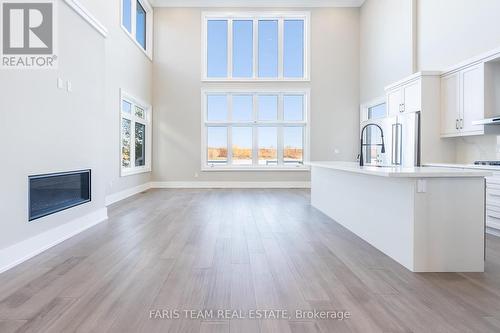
(242, 107)
(242, 137)
(293, 107)
(127, 15)
(268, 137)
(292, 137)
(242, 48)
(216, 107)
(293, 48)
(140, 34)
(268, 107)
(268, 48)
(217, 137)
(217, 48)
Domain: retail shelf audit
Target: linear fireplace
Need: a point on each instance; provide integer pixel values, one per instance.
(52, 193)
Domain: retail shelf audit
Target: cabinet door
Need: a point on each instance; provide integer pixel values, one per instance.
(472, 98)
(412, 97)
(450, 103)
(394, 102)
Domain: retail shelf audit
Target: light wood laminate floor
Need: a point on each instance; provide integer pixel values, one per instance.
(242, 250)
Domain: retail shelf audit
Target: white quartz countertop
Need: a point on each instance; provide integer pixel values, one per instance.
(464, 166)
(413, 172)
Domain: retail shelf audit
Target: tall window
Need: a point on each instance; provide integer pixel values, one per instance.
(244, 129)
(137, 21)
(135, 138)
(251, 47)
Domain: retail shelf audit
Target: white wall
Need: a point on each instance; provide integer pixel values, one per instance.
(49, 130)
(127, 67)
(44, 129)
(177, 94)
(386, 46)
(451, 31)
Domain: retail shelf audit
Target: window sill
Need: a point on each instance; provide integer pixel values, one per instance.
(255, 80)
(251, 169)
(134, 171)
(136, 43)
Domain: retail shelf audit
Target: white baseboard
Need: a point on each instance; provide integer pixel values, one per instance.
(24, 250)
(223, 184)
(115, 197)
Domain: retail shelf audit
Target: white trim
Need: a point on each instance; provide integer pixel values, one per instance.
(364, 107)
(87, 16)
(149, 26)
(119, 196)
(280, 16)
(148, 111)
(223, 184)
(26, 249)
(257, 3)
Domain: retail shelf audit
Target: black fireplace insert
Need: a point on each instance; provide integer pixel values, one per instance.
(52, 193)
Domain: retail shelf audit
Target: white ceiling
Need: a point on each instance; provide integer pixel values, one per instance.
(256, 3)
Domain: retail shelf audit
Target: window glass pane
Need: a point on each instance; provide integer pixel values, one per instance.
(217, 145)
(242, 48)
(268, 146)
(268, 107)
(377, 111)
(139, 112)
(293, 145)
(127, 15)
(140, 144)
(242, 145)
(268, 48)
(126, 107)
(293, 49)
(293, 107)
(217, 48)
(140, 31)
(216, 107)
(242, 107)
(126, 137)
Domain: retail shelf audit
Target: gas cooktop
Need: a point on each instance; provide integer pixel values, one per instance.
(492, 163)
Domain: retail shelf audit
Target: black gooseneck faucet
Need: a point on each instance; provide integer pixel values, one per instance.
(361, 162)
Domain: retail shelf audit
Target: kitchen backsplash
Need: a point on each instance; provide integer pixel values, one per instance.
(481, 147)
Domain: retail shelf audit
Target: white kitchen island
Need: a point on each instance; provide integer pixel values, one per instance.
(427, 219)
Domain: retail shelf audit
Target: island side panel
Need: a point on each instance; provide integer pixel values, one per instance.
(449, 225)
(377, 209)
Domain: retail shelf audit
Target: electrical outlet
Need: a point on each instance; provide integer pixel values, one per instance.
(196, 175)
(60, 83)
(69, 86)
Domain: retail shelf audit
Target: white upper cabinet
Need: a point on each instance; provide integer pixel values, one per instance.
(472, 98)
(450, 102)
(412, 96)
(406, 97)
(462, 101)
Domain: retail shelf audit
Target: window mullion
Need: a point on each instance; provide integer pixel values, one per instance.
(280, 47)
(133, 18)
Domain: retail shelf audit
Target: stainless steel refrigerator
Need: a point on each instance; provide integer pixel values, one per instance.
(402, 141)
